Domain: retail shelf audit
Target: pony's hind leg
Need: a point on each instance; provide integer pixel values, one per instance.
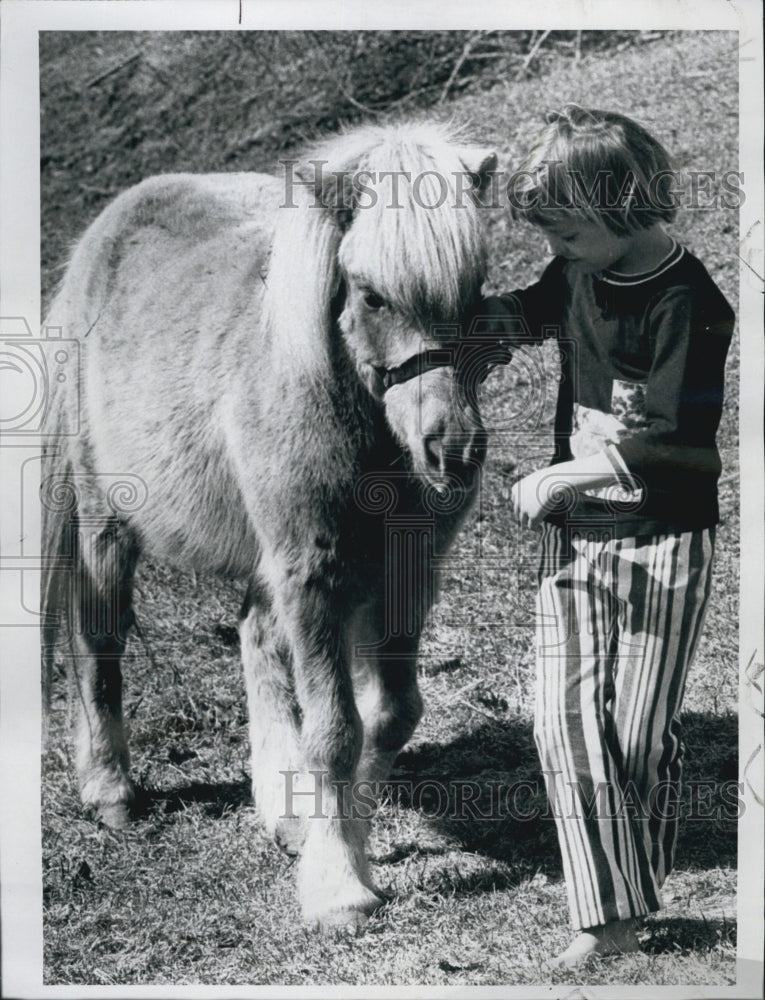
(274, 716)
(391, 706)
(386, 691)
(101, 601)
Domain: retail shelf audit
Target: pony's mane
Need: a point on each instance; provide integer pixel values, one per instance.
(426, 257)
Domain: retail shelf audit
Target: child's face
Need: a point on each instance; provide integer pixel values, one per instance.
(588, 245)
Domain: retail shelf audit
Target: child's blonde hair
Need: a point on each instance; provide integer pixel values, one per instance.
(599, 164)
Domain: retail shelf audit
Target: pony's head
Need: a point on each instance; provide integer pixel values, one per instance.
(387, 246)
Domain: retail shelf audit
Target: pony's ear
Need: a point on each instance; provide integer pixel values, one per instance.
(480, 164)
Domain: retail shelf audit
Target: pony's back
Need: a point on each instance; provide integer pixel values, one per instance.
(159, 339)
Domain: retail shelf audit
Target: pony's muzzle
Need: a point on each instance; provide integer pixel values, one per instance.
(454, 457)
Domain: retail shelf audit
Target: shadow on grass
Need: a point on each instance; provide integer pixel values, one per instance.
(215, 799)
(485, 790)
(679, 934)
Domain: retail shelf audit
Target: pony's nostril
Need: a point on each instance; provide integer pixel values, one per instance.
(452, 455)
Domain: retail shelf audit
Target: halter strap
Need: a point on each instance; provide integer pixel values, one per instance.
(472, 358)
(418, 364)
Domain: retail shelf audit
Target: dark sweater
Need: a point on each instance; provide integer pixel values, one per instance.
(642, 365)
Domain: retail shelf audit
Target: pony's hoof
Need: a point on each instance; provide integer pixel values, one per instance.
(116, 816)
(351, 919)
(289, 836)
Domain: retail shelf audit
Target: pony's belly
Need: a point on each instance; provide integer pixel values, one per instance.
(208, 535)
(190, 511)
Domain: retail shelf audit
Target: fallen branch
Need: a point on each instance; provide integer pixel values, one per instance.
(94, 189)
(480, 711)
(732, 477)
(114, 69)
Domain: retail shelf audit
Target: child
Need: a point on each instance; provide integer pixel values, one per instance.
(627, 510)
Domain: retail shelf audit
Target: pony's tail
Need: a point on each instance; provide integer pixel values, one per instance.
(59, 547)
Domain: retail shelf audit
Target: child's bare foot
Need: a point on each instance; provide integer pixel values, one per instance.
(614, 938)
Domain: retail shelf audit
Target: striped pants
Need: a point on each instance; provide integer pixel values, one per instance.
(618, 621)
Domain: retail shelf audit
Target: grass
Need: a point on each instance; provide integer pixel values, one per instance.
(193, 893)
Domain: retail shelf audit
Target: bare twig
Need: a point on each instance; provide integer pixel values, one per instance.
(352, 100)
(465, 80)
(409, 95)
(536, 46)
(457, 695)
(494, 54)
(469, 44)
(342, 90)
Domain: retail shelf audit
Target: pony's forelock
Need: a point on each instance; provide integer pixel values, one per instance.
(420, 244)
(417, 240)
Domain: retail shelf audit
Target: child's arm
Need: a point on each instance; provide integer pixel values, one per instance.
(526, 316)
(542, 491)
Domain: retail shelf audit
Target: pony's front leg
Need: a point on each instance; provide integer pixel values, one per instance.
(334, 884)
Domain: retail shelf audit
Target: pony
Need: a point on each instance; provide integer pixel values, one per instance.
(264, 392)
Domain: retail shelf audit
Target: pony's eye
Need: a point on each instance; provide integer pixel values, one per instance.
(373, 301)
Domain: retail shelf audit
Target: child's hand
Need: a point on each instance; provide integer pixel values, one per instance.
(557, 487)
(534, 496)
(496, 318)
